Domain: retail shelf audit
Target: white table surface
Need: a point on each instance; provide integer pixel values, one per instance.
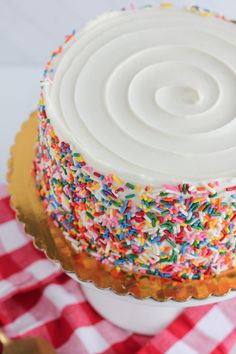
(29, 31)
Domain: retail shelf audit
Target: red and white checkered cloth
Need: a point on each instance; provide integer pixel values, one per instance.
(37, 299)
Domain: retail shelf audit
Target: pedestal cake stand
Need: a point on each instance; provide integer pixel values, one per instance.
(143, 304)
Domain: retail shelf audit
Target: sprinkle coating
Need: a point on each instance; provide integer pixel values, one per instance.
(183, 231)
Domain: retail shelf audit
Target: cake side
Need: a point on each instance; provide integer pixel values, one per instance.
(176, 230)
(180, 231)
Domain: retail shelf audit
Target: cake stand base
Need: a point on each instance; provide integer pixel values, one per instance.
(147, 316)
(128, 315)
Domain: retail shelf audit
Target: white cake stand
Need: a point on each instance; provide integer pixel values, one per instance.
(140, 316)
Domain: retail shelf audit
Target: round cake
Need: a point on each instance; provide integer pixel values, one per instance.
(137, 141)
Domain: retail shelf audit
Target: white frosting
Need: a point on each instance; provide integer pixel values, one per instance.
(149, 95)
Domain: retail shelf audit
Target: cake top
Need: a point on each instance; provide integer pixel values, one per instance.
(149, 95)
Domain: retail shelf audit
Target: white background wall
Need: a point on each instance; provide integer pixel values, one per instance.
(29, 31)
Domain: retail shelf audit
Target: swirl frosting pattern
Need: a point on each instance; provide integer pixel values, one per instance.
(149, 97)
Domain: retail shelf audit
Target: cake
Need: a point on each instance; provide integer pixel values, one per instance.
(137, 141)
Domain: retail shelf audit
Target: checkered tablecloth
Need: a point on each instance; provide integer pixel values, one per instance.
(37, 299)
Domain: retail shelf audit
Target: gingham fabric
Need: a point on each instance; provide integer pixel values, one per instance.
(37, 299)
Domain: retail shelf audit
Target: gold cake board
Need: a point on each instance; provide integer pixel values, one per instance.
(49, 239)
